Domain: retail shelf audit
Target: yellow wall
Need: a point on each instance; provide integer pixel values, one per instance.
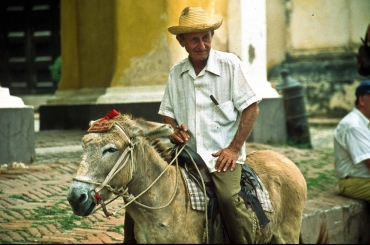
(146, 50)
(120, 43)
(87, 39)
(69, 46)
(142, 57)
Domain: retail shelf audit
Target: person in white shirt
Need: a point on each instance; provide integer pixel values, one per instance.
(352, 147)
(212, 107)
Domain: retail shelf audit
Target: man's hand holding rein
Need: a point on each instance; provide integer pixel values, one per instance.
(180, 134)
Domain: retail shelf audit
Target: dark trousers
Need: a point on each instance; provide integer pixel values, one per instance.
(241, 224)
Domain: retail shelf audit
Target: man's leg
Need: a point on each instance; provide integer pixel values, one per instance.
(358, 188)
(240, 222)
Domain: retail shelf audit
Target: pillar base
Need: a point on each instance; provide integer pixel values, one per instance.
(79, 116)
(74, 109)
(270, 124)
(17, 135)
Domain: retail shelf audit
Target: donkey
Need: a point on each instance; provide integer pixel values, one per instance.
(122, 157)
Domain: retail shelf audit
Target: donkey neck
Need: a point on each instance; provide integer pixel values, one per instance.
(148, 166)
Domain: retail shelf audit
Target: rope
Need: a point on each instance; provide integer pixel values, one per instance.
(123, 191)
(113, 171)
(174, 192)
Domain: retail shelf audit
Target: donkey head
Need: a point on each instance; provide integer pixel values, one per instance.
(107, 146)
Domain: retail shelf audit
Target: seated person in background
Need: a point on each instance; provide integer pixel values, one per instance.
(352, 147)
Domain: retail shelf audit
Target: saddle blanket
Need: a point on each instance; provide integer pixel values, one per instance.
(197, 198)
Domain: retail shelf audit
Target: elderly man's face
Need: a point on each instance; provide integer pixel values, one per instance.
(197, 44)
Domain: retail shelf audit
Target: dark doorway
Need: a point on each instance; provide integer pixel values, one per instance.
(29, 44)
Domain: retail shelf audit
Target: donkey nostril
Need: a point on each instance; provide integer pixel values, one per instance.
(82, 198)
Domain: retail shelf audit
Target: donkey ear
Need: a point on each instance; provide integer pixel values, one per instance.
(152, 129)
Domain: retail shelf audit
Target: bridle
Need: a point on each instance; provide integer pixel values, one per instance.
(123, 191)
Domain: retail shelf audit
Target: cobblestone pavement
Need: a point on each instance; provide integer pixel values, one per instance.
(33, 205)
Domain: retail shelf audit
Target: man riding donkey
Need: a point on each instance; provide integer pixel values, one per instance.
(212, 107)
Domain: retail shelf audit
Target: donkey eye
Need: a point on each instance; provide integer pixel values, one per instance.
(109, 150)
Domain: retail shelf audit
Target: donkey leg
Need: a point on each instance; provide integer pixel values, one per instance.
(129, 236)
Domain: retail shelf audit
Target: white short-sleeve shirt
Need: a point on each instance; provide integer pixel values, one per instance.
(187, 99)
(352, 145)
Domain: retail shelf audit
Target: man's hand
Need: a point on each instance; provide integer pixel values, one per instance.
(226, 158)
(180, 134)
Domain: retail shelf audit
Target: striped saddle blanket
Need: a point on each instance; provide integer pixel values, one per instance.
(199, 200)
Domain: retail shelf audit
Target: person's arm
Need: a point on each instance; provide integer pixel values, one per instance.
(227, 157)
(179, 133)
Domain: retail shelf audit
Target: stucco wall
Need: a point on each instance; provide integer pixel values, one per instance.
(87, 44)
(124, 43)
(307, 27)
(317, 41)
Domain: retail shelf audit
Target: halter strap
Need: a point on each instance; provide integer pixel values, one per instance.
(114, 170)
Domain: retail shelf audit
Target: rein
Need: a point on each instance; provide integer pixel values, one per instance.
(123, 191)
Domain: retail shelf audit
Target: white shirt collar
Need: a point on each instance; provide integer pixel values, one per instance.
(211, 65)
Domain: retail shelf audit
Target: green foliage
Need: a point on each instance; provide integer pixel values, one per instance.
(56, 216)
(322, 180)
(56, 69)
(293, 143)
(318, 169)
(21, 197)
(66, 220)
(64, 188)
(119, 228)
(42, 211)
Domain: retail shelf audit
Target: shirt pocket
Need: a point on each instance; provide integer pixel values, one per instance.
(226, 113)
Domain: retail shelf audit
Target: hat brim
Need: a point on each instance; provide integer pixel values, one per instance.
(176, 30)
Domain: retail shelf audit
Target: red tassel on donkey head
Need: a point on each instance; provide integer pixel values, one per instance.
(103, 124)
(110, 115)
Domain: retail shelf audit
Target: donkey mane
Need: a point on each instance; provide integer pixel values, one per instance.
(163, 150)
(127, 120)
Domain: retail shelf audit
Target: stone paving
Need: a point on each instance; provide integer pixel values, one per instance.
(33, 205)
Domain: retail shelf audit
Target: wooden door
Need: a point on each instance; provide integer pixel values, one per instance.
(29, 44)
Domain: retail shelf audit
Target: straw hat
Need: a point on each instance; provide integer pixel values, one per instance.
(194, 19)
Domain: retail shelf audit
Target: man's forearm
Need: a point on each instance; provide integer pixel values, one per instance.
(170, 121)
(249, 115)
